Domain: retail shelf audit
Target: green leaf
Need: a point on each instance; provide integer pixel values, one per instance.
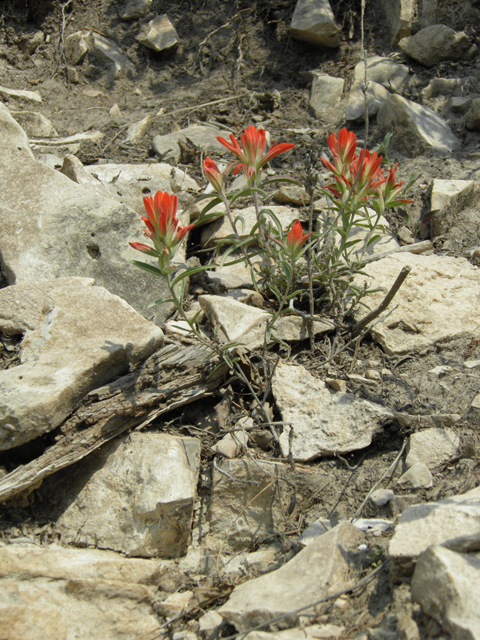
(245, 192)
(162, 301)
(148, 267)
(287, 179)
(190, 272)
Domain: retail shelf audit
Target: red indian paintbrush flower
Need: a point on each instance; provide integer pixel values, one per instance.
(389, 190)
(296, 239)
(343, 150)
(162, 227)
(250, 151)
(213, 175)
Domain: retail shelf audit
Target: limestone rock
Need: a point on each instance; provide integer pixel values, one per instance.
(245, 325)
(449, 198)
(325, 95)
(231, 445)
(317, 571)
(292, 195)
(472, 117)
(20, 95)
(313, 22)
(432, 447)
(38, 240)
(314, 632)
(436, 43)
(159, 34)
(137, 496)
(76, 47)
(381, 497)
(77, 337)
(416, 129)
(376, 96)
(400, 15)
(323, 421)
(418, 476)
(108, 54)
(34, 124)
(132, 180)
(133, 9)
(385, 71)
(78, 594)
(202, 136)
(451, 13)
(436, 302)
(453, 523)
(447, 586)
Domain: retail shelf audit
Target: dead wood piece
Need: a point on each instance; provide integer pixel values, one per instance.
(172, 377)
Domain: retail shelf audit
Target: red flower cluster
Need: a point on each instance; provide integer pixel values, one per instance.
(251, 151)
(363, 171)
(162, 227)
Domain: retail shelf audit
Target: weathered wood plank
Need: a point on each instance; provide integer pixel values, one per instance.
(170, 378)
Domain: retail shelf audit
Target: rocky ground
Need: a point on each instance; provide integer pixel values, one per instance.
(142, 496)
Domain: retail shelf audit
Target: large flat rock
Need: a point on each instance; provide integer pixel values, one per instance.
(453, 523)
(437, 301)
(323, 421)
(447, 586)
(136, 496)
(416, 129)
(51, 227)
(77, 337)
(324, 567)
(76, 594)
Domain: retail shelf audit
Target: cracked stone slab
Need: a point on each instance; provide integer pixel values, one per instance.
(437, 301)
(447, 586)
(324, 567)
(52, 227)
(76, 594)
(77, 337)
(136, 496)
(323, 421)
(416, 129)
(453, 523)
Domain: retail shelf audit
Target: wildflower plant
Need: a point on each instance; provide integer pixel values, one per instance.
(359, 193)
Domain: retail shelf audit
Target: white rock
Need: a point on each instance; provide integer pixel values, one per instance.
(453, 523)
(76, 593)
(175, 604)
(137, 129)
(292, 195)
(131, 180)
(449, 198)
(314, 632)
(381, 497)
(78, 337)
(435, 43)
(399, 15)
(447, 586)
(436, 301)
(35, 124)
(320, 569)
(231, 445)
(107, 53)
(416, 129)
(374, 525)
(376, 96)
(418, 476)
(140, 501)
(385, 71)
(133, 9)
(313, 22)
(16, 94)
(245, 325)
(76, 46)
(323, 421)
(159, 34)
(38, 240)
(315, 530)
(432, 447)
(210, 621)
(202, 136)
(325, 95)
(472, 117)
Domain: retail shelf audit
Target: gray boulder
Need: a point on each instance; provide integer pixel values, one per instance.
(436, 43)
(313, 22)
